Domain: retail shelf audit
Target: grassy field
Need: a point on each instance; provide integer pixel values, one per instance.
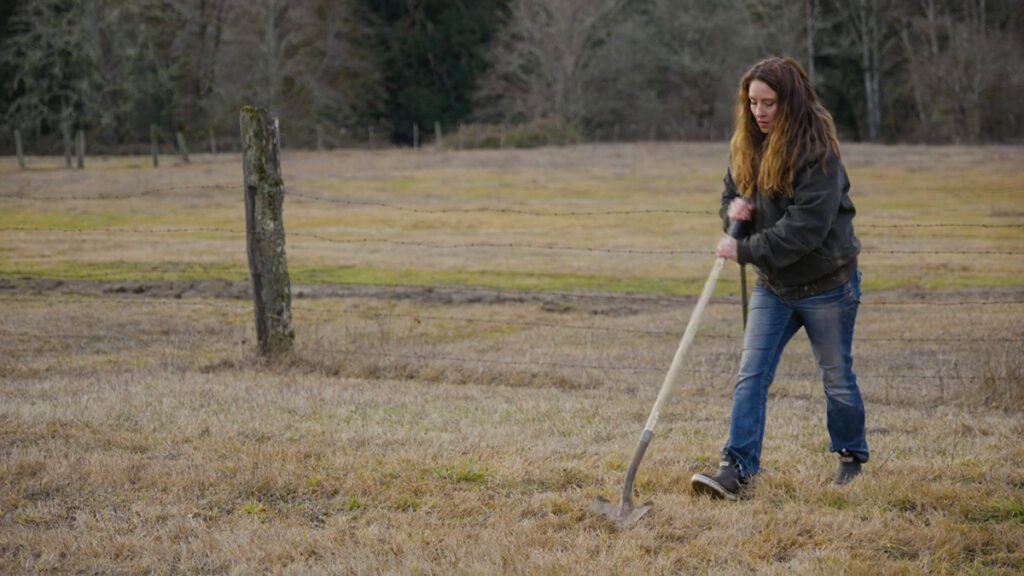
(479, 338)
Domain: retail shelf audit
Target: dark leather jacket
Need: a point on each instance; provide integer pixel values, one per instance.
(801, 245)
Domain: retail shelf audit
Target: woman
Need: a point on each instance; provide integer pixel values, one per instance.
(786, 182)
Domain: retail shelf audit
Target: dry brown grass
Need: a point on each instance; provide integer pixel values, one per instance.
(460, 430)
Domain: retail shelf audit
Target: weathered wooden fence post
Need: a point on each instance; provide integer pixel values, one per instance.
(154, 146)
(18, 150)
(65, 129)
(415, 135)
(213, 142)
(438, 136)
(264, 231)
(182, 149)
(80, 148)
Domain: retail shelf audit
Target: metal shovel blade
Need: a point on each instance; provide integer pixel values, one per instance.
(623, 515)
(626, 513)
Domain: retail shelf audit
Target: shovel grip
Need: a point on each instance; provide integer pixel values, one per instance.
(734, 228)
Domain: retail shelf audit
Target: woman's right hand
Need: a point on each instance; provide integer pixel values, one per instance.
(740, 209)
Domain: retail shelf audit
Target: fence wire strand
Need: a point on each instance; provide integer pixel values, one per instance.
(465, 245)
(613, 332)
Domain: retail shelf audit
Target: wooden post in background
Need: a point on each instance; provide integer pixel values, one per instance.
(18, 150)
(182, 149)
(80, 148)
(65, 128)
(415, 135)
(438, 137)
(154, 146)
(213, 142)
(264, 231)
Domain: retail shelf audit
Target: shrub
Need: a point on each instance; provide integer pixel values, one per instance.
(540, 132)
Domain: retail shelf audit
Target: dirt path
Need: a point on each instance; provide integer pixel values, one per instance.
(612, 304)
(596, 303)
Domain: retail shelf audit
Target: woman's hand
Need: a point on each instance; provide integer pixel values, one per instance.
(726, 248)
(740, 209)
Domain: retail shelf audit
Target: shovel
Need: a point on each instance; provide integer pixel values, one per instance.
(627, 512)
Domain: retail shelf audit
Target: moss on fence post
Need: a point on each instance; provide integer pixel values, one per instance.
(264, 231)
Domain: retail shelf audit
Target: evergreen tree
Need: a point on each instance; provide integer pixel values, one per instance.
(431, 54)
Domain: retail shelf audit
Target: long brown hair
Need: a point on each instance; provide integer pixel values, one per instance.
(801, 127)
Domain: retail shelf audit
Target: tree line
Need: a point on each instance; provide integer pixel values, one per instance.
(343, 72)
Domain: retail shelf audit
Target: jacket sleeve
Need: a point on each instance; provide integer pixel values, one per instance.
(817, 194)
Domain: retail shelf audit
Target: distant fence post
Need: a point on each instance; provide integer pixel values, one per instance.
(154, 146)
(18, 150)
(213, 142)
(438, 137)
(415, 135)
(264, 230)
(182, 149)
(80, 148)
(65, 129)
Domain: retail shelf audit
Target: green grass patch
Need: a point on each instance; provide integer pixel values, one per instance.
(1006, 511)
(189, 218)
(468, 471)
(494, 279)
(70, 220)
(727, 285)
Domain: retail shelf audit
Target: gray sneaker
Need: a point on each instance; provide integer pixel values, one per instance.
(849, 468)
(725, 484)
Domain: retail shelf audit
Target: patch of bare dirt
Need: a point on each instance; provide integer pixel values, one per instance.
(605, 304)
(596, 303)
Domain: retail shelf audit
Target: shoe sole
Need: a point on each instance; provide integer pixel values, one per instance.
(704, 484)
(844, 479)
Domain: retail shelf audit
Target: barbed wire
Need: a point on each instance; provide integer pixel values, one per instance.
(419, 318)
(468, 245)
(939, 225)
(124, 229)
(499, 210)
(120, 196)
(449, 210)
(434, 358)
(660, 370)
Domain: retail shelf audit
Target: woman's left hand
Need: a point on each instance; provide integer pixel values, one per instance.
(726, 248)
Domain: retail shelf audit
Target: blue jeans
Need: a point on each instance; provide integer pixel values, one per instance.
(828, 319)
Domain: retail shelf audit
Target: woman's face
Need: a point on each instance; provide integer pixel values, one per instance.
(763, 104)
